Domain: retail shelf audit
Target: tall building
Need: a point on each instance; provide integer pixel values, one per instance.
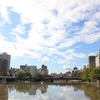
(7, 57)
(3, 65)
(91, 62)
(44, 69)
(97, 60)
(74, 71)
(33, 70)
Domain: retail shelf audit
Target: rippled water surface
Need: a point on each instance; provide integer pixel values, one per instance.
(49, 91)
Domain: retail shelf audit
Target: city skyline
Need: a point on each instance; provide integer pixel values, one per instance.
(58, 34)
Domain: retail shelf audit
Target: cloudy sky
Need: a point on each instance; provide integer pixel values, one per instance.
(60, 34)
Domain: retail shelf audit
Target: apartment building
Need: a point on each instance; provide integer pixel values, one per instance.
(5, 60)
(97, 60)
(91, 62)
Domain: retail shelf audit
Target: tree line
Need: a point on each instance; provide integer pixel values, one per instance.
(89, 74)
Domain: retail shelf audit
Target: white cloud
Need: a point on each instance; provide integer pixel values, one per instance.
(4, 15)
(2, 38)
(92, 54)
(67, 68)
(45, 59)
(67, 88)
(18, 30)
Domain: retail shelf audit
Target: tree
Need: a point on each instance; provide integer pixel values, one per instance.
(79, 74)
(23, 74)
(86, 74)
(27, 74)
(95, 74)
(38, 75)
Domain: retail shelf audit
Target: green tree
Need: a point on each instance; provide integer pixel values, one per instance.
(39, 75)
(95, 74)
(23, 74)
(27, 74)
(79, 74)
(86, 74)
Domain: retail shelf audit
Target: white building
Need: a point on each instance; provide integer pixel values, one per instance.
(97, 60)
(7, 57)
(33, 70)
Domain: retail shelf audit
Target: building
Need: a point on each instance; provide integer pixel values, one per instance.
(24, 67)
(68, 74)
(91, 62)
(74, 71)
(39, 70)
(3, 65)
(44, 69)
(33, 70)
(84, 67)
(97, 60)
(6, 57)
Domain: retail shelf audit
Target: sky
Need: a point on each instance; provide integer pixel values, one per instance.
(60, 34)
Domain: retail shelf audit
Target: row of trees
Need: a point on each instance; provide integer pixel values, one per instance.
(26, 74)
(89, 74)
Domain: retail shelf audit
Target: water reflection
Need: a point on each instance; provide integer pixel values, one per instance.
(28, 88)
(60, 81)
(49, 91)
(3, 92)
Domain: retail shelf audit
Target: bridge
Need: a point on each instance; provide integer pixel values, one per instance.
(39, 79)
(52, 79)
(7, 78)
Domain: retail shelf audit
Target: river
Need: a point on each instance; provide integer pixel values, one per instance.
(49, 91)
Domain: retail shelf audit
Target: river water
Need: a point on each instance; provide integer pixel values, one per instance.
(49, 91)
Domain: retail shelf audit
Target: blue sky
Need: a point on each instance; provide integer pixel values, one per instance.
(60, 34)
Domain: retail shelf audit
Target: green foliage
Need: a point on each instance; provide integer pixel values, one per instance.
(39, 75)
(27, 74)
(95, 74)
(79, 74)
(86, 75)
(91, 74)
(23, 74)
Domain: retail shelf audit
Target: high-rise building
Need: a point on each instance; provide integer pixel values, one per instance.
(97, 60)
(33, 70)
(91, 62)
(44, 69)
(3, 65)
(5, 56)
